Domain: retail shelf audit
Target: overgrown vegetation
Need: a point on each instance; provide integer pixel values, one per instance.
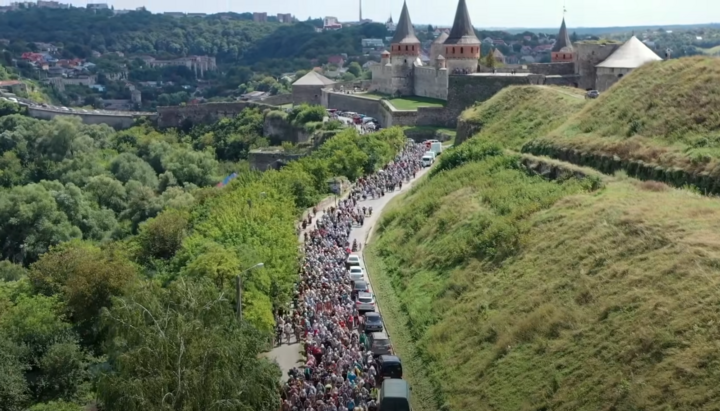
(118, 266)
(520, 113)
(663, 113)
(526, 294)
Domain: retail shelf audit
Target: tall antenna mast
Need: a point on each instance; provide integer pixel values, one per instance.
(360, 12)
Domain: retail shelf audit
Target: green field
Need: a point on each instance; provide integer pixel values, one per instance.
(405, 103)
(714, 51)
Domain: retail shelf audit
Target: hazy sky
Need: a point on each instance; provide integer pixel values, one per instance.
(485, 13)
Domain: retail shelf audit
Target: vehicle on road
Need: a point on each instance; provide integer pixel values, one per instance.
(379, 344)
(356, 274)
(427, 161)
(394, 396)
(352, 261)
(360, 286)
(592, 94)
(365, 302)
(373, 322)
(436, 148)
(389, 366)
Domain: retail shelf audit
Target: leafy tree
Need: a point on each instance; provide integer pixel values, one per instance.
(128, 166)
(490, 60)
(14, 392)
(574, 37)
(64, 369)
(348, 77)
(85, 278)
(107, 192)
(182, 348)
(11, 272)
(162, 236)
(31, 222)
(188, 166)
(355, 69)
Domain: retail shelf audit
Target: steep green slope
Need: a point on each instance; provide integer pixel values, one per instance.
(664, 113)
(520, 113)
(525, 294)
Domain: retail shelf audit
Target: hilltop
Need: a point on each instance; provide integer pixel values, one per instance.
(663, 113)
(509, 291)
(519, 113)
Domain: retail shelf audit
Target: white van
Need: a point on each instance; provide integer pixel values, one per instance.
(427, 161)
(431, 154)
(436, 148)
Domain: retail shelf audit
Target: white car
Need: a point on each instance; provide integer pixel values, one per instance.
(365, 302)
(357, 273)
(353, 260)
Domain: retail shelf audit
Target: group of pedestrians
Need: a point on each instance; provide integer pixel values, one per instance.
(404, 168)
(340, 372)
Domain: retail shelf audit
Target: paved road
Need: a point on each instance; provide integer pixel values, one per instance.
(288, 355)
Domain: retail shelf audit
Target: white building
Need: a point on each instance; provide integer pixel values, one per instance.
(631, 55)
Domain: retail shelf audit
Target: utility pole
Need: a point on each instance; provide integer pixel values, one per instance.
(238, 290)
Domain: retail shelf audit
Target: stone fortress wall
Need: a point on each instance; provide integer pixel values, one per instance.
(119, 121)
(587, 56)
(393, 79)
(431, 82)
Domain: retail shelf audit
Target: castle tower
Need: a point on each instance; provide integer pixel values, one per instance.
(563, 50)
(437, 47)
(462, 47)
(404, 46)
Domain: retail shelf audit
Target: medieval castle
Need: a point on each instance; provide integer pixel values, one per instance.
(588, 65)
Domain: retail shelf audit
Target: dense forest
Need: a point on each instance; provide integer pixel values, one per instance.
(118, 260)
(234, 40)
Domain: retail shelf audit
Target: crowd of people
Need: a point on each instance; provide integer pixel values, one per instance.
(340, 372)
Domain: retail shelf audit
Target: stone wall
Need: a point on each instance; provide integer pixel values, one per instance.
(393, 79)
(567, 80)
(401, 117)
(552, 69)
(350, 85)
(278, 99)
(587, 56)
(464, 91)
(431, 82)
(116, 121)
(420, 134)
(277, 129)
(435, 117)
(352, 102)
(518, 68)
(606, 77)
(263, 160)
(181, 116)
(307, 94)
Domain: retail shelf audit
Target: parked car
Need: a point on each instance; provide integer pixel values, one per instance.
(356, 274)
(592, 94)
(379, 344)
(352, 260)
(360, 286)
(389, 366)
(365, 302)
(373, 322)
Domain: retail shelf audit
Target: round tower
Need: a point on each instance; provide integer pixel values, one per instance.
(404, 46)
(462, 47)
(385, 57)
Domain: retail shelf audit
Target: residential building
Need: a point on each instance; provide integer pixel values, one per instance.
(285, 18)
(260, 17)
(499, 57)
(13, 86)
(52, 4)
(199, 64)
(336, 61)
(331, 23)
(371, 43)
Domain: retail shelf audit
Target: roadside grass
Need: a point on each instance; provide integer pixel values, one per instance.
(517, 293)
(664, 113)
(520, 113)
(424, 391)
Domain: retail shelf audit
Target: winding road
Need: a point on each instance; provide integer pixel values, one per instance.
(289, 355)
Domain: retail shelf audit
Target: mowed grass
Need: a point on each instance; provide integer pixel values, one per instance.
(665, 113)
(526, 294)
(519, 113)
(405, 103)
(713, 51)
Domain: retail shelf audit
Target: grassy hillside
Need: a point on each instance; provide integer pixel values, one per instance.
(525, 294)
(519, 113)
(665, 113)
